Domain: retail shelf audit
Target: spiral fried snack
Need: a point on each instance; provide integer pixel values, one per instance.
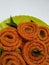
(9, 39)
(27, 30)
(43, 33)
(34, 53)
(47, 44)
(11, 58)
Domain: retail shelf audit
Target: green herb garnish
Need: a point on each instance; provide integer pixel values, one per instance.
(19, 50)
(1, 51)
(12, 24)
(32, 21)
(36, 52)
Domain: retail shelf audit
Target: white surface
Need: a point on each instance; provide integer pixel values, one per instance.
(37, 8)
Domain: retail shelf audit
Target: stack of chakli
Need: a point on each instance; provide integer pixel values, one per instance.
(25, 44)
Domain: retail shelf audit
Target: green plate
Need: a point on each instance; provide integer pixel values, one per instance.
(23, 18)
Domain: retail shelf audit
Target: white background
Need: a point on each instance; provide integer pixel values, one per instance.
(37, 8)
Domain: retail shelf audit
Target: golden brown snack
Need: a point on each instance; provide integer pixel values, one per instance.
(27, 30)
(35, 53)
(47, 44)
(11, 58)
(43, 33)
(25, 44)
(9, 39)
